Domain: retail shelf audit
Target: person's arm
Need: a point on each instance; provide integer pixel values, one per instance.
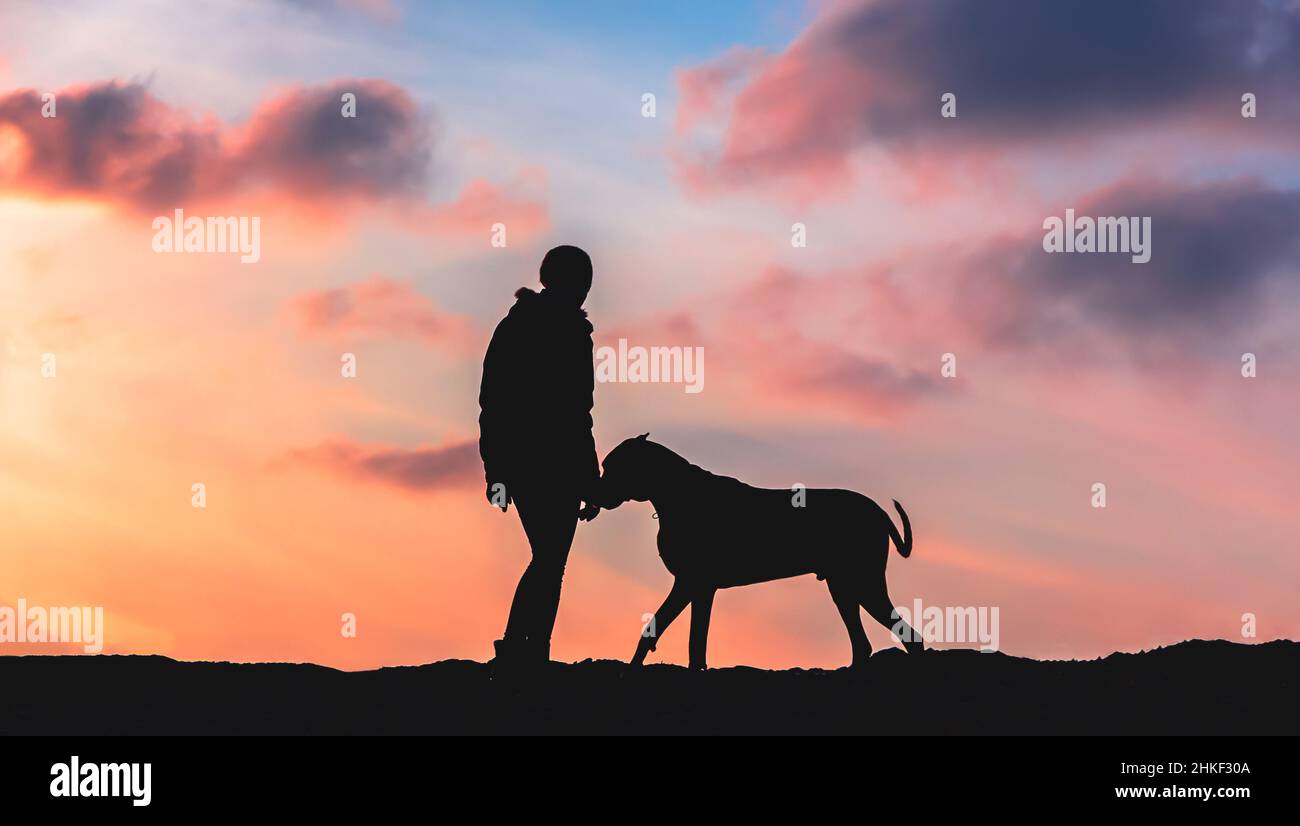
(491, 405)
(590, 485)
(586, 397)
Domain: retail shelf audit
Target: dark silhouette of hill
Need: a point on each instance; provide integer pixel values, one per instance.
(1203, 687)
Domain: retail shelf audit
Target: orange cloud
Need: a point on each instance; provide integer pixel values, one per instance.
(380, 307)
(111, 140)
(426, 468)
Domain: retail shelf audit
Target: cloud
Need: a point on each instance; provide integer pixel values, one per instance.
(379, 307)
(1224, 257)
(1216, 248)
(419, 469)
(856, 386)
(704, 88)
(299, 141)
(520, 206)
(115, 142)
(872, 73)
(112, 140)
(785, 341)
(766, 326)
(866, 344)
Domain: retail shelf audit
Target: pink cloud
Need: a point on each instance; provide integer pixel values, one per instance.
(380, 307)
(450, 466)
(799, 113)
(758, 347)
(116, 142)
(519, 205)
(704, 89)
(867, 343)
(111, 140)
(870, 74)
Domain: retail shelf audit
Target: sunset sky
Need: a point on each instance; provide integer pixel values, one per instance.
(329, 495)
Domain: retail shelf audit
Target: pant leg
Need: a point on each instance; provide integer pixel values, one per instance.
(550, 517)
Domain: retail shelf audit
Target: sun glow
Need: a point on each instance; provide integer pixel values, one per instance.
(13, 152)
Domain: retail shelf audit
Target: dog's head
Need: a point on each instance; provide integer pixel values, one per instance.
(626, 473)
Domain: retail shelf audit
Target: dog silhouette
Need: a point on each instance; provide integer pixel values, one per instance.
(717, 532)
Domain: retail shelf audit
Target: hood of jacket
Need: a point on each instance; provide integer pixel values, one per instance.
(531, 304)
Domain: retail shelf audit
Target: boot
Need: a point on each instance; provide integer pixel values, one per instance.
(515, 657)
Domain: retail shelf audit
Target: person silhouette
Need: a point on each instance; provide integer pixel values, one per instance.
(535, 439)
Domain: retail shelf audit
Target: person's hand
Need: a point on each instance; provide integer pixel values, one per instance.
(498, 496)
(589, 512)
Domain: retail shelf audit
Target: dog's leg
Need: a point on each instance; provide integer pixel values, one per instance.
(701, 609)
(882, 610)
(847, 604)
(673, 605)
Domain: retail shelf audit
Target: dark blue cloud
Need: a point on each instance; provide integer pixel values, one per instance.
(1216, 250)
(1034, 66)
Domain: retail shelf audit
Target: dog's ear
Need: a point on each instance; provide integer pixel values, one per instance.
(642, 437)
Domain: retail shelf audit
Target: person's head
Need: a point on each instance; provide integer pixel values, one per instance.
(566, 271)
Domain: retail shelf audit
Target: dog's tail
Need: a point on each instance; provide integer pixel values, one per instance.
(903, 543)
